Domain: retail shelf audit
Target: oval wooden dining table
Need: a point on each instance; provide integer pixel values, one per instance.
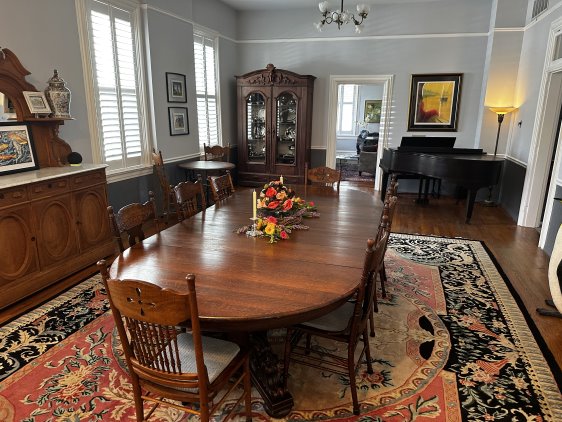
(246, 284)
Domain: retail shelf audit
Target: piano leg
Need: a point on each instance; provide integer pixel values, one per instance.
(424, 185)
(385, 176)
(471, 197)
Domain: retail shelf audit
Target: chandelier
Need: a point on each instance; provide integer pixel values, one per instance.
(341, 17)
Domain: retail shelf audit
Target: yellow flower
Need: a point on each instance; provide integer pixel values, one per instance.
(281, 195)
(270, 229)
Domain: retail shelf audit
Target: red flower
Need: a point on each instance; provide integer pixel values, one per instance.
(287, 205)
(272, 205)
(270, 192)
(271, 219)
(311, 204)
(284, 235)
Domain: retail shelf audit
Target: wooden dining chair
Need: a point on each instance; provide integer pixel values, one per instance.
(167, 364)
(130, 220)
(221, 186)
(346, 324)
(190, 198)
(216, 152)
(324, 176)
(168, 197)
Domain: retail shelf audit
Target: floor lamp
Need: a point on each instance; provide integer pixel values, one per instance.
(501, 112)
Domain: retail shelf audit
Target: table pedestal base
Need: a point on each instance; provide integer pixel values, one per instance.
(267, 377)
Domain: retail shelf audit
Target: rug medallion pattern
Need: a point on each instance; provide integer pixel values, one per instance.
(451, 345)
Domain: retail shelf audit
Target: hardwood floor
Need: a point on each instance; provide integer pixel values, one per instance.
(515, 249)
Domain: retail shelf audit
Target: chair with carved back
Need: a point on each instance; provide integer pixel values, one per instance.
(346, 324)
(190, 198)
(168, 196)
(323, 176)
(130, 220)
(216, 152)
(221, 186)
(167, 364)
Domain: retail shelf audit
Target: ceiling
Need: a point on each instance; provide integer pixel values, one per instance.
(305, 4)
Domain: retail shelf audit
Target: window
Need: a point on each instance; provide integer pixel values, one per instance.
(347, 100)
(112, 60)
(205, 51)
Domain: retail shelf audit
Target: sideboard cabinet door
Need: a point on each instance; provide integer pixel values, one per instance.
(56, 232)
(17, 243)
(91, 214)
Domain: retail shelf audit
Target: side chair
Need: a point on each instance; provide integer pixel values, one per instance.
(346, 324)
(324, 176)
(221, 186)
(216, 152)
(130, 220)
(168, 197)
(167, 364)
(190, 198)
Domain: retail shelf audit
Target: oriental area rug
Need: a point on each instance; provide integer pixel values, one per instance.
(451, 344)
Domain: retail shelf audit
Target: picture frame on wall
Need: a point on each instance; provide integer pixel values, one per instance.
(17, 151)
(372, 112)
(37, 102)
(434, 102)
(175, 86)
(179, 121)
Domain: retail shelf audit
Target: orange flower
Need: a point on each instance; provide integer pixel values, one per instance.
(287, 205)
(271, 219)
(270, 192)
(284, 235)
(270, 229)
(261, 203)
(272, 205)
(281, 195)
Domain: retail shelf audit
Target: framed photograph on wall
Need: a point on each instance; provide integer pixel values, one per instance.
(37, 102)
(175, 85)
(434, 102)
(372, 111)
(179, 122)
(17, 152)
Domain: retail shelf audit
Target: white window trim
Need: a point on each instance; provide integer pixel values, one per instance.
(137, 13)
(206, 32)
(351, 133)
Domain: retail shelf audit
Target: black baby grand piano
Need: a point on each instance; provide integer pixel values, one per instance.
(435, 157)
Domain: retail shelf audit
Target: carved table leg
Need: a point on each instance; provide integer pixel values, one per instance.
(267, 376)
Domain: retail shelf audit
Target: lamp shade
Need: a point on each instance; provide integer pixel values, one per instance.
(502, 110)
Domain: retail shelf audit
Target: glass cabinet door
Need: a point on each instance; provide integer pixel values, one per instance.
(255, 127)
(286, 133)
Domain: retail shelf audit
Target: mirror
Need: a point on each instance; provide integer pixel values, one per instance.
(7, 109)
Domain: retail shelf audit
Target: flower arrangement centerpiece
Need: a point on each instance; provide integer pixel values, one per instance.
(279, 212)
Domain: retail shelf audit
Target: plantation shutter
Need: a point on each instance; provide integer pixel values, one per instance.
(206, 89)
(116, 84)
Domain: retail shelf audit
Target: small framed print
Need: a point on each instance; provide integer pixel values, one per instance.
(175, 85)
(37, 102)
(179, 122)
(17, 152)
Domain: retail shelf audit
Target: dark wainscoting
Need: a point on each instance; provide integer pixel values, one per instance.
(555, 222)
(512, 180)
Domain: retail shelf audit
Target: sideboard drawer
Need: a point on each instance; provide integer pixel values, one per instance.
(88, 179)
(12, 196)
(48, 188)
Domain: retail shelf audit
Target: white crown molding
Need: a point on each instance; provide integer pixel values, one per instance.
(516, 29)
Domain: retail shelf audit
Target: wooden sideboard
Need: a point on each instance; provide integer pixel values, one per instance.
(53, 223)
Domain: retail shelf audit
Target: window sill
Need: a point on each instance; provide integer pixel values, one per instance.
(120, 175)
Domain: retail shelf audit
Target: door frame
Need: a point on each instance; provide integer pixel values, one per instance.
(542, 142)
(387, 81)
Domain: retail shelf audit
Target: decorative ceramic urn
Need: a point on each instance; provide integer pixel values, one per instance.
(58, 96)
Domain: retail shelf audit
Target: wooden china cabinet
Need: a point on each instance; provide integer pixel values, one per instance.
(53, 221)
(274, 125)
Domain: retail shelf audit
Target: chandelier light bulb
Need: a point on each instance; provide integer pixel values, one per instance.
(357, 29)
(319, 26)
(363, 9)
(323, 6)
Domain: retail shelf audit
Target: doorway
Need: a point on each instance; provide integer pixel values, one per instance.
(386, 81)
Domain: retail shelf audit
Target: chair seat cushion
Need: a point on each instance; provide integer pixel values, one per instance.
(335, 321)
(217, 354)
